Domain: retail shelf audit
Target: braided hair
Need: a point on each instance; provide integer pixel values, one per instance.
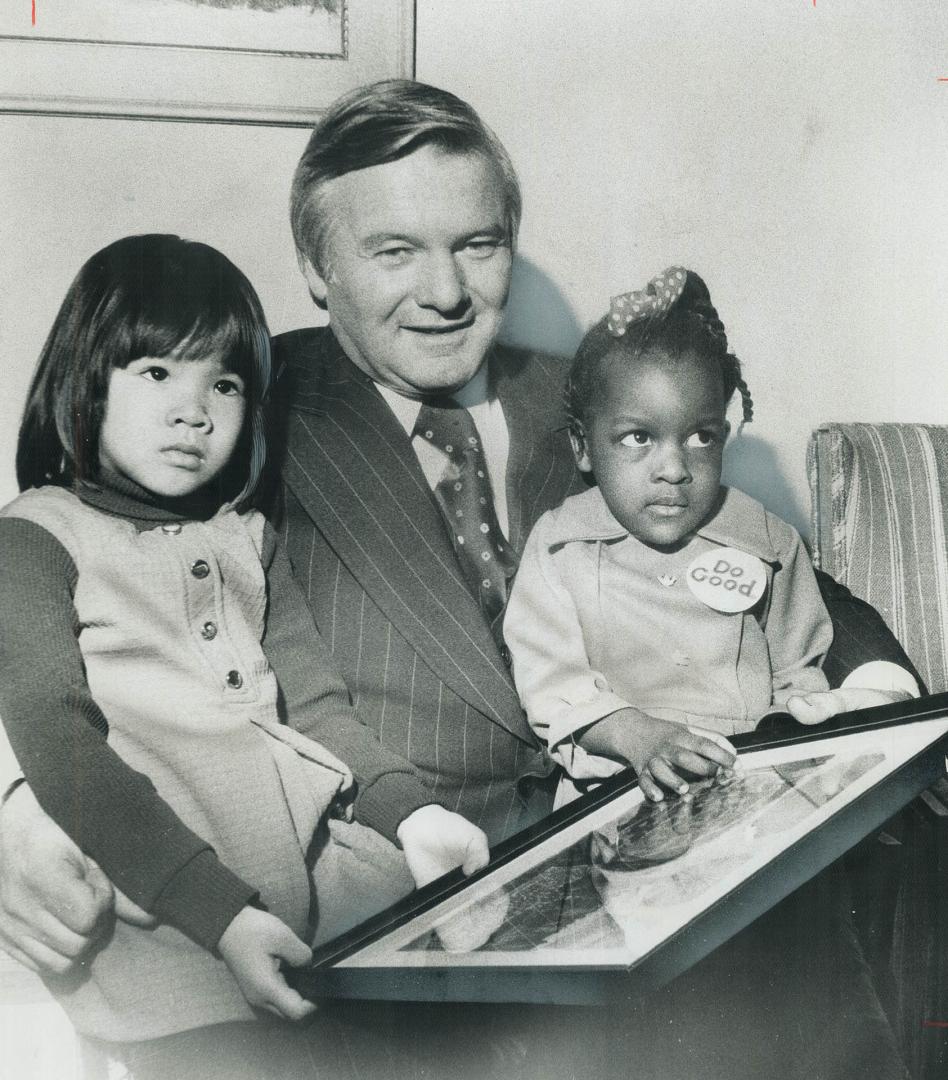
(689, 325)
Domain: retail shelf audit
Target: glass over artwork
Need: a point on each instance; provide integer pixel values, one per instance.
(611, 887)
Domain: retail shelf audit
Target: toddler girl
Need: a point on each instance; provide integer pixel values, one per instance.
(148, 616)
(659, 612)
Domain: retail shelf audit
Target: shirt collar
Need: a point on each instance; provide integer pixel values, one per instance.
(406, 409)
(739, 522)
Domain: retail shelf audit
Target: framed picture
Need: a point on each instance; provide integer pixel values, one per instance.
(613, 890)
(236, 61)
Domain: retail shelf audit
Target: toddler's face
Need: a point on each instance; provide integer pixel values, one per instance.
(171, 425)
(654, 440)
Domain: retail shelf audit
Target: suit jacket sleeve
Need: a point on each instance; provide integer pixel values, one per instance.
(316, 702)
(859, 634)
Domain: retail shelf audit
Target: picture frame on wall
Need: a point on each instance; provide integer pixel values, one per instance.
(614, 895)
(231, 61)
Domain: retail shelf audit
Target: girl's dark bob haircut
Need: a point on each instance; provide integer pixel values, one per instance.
(157, 296)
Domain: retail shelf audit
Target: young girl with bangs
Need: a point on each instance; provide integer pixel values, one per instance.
(160, 673)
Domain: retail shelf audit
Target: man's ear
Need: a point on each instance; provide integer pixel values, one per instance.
(318, 286)
(577, 438)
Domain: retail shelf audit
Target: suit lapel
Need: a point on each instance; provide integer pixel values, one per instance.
(351, 465)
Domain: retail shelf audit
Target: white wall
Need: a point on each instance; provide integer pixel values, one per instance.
(794, 155)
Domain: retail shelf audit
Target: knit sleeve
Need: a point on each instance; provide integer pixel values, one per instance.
(58, 734)
(315, 701)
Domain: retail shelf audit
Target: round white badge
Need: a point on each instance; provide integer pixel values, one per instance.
(727, 579)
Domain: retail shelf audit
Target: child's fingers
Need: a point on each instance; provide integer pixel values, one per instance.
(650, 789)
(719, 740)
(664, 774)
(694, 761)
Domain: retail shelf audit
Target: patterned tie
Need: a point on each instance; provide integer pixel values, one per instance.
(467, 505)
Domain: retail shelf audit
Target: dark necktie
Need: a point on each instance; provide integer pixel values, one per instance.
(467, 505)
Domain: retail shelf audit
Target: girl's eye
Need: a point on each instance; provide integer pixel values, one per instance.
(155, 373)
(702, 439)
(229, 387)
(636, 438)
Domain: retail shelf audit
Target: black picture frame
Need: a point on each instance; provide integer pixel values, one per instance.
(915, 769)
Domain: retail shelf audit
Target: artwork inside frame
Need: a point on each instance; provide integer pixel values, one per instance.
(612, 892)
(233, 61)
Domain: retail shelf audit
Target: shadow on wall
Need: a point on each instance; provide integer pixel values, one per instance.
(538, 314)
(751, 465)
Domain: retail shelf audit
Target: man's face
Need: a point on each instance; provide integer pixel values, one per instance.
(654, 441)
(416, 268)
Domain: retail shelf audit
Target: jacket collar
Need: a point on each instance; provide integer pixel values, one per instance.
(739, 521)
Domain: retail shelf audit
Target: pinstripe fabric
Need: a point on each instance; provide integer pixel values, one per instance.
(369, 546)
(880, 519)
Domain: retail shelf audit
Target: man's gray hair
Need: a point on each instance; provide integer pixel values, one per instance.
(383, 122)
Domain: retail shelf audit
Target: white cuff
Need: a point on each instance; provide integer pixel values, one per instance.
(881, 675)
(581, 765)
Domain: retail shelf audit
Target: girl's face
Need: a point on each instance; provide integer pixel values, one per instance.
(171, 425)
(654, 440)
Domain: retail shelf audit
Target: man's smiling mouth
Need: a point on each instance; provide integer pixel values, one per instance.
(449, 328)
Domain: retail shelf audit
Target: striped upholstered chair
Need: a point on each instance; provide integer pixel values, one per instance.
(880, 522)
(880, 527)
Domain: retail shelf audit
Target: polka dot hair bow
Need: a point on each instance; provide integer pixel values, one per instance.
(655, 299)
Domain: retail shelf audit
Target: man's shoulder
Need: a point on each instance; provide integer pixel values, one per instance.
(309, 367)
(308, 349)
(516, 360)
(531, 382)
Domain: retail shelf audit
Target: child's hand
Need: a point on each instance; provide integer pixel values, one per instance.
(666, 750)
(660, 750)
(436, 840)
(820, 705)
(252, 947)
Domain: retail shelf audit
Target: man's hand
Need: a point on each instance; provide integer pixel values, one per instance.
(54, 902)
(820, 705)
(436, 840)
(662, 752)
(252, 946)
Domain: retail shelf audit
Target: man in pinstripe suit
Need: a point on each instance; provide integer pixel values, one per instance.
(405, 210)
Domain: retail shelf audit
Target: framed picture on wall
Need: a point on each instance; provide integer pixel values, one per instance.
(614, 894)
(236, 61)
